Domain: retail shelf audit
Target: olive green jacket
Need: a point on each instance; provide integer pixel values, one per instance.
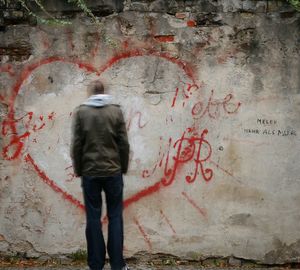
(99, 144)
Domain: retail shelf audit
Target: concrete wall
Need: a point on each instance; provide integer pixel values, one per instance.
(210, 92)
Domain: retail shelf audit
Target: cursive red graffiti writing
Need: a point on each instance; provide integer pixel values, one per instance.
(186, 91)
(190, 148)
(213, 107)
(16, 142)
(132, 116)
(14, 148)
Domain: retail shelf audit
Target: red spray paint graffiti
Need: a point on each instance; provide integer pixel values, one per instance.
(17, 140)
(95, 49)
(13, 149)
(167, 221)
(142, 231)
(190, 147)
(134, 115)
(186, 91)
(8, 69)
(52, 183)
(213, 107)
(192, 202)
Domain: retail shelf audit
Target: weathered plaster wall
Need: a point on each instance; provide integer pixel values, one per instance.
(210, 91)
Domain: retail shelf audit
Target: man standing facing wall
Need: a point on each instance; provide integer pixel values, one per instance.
(100, 154)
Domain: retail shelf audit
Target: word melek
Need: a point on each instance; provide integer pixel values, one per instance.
(269, 130)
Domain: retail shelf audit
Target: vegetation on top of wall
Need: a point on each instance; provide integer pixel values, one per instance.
(51, 19)
(81, 4)
(295, 4)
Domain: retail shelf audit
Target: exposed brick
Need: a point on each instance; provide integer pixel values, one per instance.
(16, 52)
(191, 23)
(165, 38)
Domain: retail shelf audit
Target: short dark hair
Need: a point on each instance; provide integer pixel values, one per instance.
(96, 87)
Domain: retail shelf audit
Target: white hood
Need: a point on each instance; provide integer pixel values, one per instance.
(98, 100)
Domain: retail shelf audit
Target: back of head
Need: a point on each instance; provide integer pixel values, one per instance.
(96, 88)
(96, 96)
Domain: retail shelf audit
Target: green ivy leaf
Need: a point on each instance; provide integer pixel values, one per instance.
(295, 4)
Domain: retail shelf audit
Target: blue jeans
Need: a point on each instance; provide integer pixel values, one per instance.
(113, 188)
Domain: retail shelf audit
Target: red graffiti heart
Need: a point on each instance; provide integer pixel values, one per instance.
(9, 126)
